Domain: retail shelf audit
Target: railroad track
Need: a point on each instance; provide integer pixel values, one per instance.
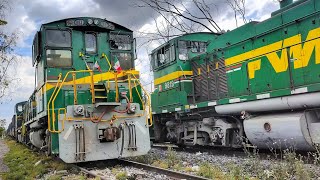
(123, 162)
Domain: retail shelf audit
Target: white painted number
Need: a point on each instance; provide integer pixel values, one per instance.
(168, 85)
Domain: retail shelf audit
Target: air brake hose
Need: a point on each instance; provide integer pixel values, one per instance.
(97, 119)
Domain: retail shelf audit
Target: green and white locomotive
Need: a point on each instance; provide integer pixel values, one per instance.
(259, 81)
(88, 103)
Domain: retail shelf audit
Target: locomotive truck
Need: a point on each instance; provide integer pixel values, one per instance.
(259, 82)
(88, 103)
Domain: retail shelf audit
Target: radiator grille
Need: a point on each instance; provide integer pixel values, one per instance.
(222, 79)
(211, 83)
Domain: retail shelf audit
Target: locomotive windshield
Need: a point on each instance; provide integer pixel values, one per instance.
(20, 108)
(125, 60)
(120, 41)
(121, 45)
(58, 38)
(191, 46)
(163, 56)
(58, 58)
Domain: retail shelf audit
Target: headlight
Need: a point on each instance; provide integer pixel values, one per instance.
(96, 21)
(90, 21)
(78, 110)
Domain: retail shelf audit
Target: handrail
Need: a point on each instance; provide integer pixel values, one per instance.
(75, 99)
(48, 109)
(106, 57)
(92, 88)
(56, 92)
(130, 91)
(60, 84)
(116, 86)
(149, 100)
(110, 66)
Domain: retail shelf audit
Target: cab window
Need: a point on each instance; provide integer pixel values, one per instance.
(36, 48)
(198, 47)
(58, 51)
(124, 58)
(163, 56)
(185, 47)
(58, 58)
(19, 108)
(120, 41)
(183, 50)
(91, 43)
(58, 38)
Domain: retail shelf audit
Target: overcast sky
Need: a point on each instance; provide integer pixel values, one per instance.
(27, 16)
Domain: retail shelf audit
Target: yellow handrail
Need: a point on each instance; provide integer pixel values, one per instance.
(56, 92)
(75, 98)
(60, 84)
(116, 86)
(110, 66)
(129, 84)
(107, 59)
(92, 88)
(48, 109)
(148, 101)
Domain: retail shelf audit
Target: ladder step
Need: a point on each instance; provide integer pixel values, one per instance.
(99, 90)
(101, 97)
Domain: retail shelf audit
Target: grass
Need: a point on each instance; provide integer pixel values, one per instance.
(211, 172)
(171, 161)
(21, 162)
(121, 176)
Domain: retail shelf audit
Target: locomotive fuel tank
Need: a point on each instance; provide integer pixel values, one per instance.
(299, 101)
(294, 130)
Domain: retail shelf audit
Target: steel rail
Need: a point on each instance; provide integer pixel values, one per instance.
(123, 162)
(167, 172)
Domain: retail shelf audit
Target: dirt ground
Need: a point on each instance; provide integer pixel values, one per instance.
(3, 150)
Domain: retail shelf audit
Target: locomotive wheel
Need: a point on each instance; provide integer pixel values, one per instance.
(159, 130)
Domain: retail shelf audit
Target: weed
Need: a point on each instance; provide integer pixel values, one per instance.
(161, 164)
(172, 157)
(188, 169)
(171, 160)
(209, 171)
(122, 176)
(315, 155)
(115, 169)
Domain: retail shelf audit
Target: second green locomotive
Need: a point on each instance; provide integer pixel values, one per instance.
(259, 81)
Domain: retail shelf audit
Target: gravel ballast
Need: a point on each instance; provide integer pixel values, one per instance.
(132, 172)
(225, 161)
